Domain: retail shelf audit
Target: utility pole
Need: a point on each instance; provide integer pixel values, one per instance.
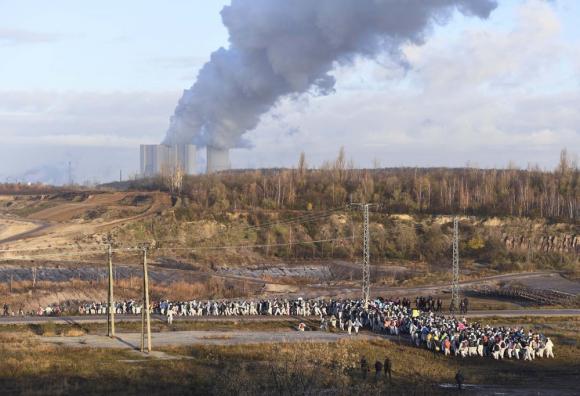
(145, 316)
(454, 306)
(366, 270)
(111, 305)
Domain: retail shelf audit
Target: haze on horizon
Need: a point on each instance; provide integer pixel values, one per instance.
(87, 83)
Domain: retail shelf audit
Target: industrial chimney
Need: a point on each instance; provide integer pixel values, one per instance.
(217, 159)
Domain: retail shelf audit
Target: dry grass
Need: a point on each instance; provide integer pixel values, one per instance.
(74, 332)
(335, 368)
(29, 367)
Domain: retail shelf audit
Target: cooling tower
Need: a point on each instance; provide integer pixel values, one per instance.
(157, 159)
(217, 159)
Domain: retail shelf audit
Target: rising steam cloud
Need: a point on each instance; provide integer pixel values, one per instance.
(288, 47)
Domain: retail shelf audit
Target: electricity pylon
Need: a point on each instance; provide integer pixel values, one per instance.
(366, 262)
(454, 306)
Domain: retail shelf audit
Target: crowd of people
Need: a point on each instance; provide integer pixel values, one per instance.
(49, 310)
(424, 323)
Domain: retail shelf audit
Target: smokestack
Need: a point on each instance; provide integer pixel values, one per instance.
(217, 159)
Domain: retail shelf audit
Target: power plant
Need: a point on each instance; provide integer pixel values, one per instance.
(159, 159)
(217, 159)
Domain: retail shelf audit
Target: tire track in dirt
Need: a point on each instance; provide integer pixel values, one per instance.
(56, 222)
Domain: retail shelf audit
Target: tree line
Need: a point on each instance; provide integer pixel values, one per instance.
(531, 192)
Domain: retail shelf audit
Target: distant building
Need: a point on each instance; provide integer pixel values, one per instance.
(158, 159)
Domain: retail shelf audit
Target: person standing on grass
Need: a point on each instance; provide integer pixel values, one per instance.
(378, 370)
(388, 366)
(459, 379)
(364, 367)
(170, 317)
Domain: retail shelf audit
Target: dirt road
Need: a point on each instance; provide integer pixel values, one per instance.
(549, 279)
(30, 228)
(177, 338)
(60, 225)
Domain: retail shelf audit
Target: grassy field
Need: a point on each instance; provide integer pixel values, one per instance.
(29, 366)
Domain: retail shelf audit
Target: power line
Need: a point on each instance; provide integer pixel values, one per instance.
(69, 252)
(301, 219)
(136, 249)
(39, 249)
(257, 246)
(80, 253)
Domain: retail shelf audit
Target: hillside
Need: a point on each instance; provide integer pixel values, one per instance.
(249, 237)
(281, 231)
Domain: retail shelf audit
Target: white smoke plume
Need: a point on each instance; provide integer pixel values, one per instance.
(280, 48)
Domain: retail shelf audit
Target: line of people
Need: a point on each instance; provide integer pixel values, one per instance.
(425, 326)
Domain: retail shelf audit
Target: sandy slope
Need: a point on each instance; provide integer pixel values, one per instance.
(60, 226)
(10, 228)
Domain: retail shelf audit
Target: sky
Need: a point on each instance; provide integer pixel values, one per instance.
(87, 82)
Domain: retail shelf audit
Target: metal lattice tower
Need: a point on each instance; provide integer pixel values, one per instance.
(366, 270)
(366, 262)
(454, 306)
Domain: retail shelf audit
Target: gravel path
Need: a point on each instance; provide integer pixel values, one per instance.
(542, 279)
(177, 338)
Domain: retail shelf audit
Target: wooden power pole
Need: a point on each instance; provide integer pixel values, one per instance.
(111, 302)
(145, 316)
